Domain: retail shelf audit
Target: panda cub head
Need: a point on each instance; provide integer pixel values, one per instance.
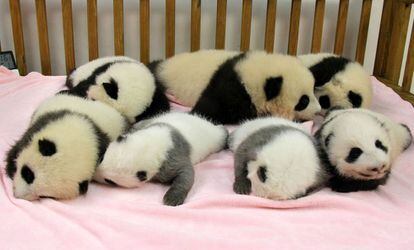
(339, 82)
(359, 147)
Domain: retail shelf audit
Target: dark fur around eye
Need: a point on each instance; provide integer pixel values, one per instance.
(111, 88)
(142, 175)
(47, 147)
(83, 187)
(381, 146)
(325, 101)
(272, 87)
(355, 99)
(353, 155)
(303, 103)
(262, 173)
(27, 174)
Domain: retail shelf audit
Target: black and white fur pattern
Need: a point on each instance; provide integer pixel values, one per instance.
(339, 82)
(358, 148)
(121, 82)
(229, 87)
(57, 156)
(275, 158)
(163, 149)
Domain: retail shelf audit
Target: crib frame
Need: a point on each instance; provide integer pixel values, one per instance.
(392, 36)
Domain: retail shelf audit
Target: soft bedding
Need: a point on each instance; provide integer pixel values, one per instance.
(213, 216)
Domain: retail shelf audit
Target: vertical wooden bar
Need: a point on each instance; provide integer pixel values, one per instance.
(221, 23)
(363, 31)
(68, 35)
(169, 28)
(144, 9)
(42, 31)
(409, 66)
(119, 27)
(318, 26)
(246, 25)
(195, 24)
(341, 27)
(93, 29)
(269, 40)
(16, 18)
(294, 27)
(383, 39)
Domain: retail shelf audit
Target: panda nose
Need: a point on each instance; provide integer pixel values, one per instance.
(377, 168)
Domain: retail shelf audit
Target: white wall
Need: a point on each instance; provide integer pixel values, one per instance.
(182, 28)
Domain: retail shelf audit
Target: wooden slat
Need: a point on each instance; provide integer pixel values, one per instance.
(363, 31)
(144, 17)
(294, 27)
(68, 35)
(42, 31)
(341, 27)
(195, 24)
(409, 66)
(93, 29)
(269, 41)
(383, 39)
(318, 26)
(169, 28)
(221, 23)
(16, 18)
(246, 25)
(404, 94)
(119, 27)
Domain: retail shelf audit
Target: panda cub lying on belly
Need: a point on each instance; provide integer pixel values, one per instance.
(358, 148)
(162, 149)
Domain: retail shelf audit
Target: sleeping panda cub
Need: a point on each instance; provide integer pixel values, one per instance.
(358, 148)
(121, 82)
(339, 82)
(275, 158)
(56, 157)
(229, 87)
(162, 149)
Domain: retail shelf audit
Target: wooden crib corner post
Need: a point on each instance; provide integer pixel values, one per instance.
(16, 18)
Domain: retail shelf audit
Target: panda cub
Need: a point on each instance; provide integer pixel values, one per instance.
(56, 157)
(339, 82)
(121, 82)
(162, 149)
(358, 148)
(229, 87)
(275, 158)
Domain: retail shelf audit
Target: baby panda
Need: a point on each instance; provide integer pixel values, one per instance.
(121, 82)
(358, 148)
(229, 87)
(275, 158)
(162, 149)
(56, 157)
(339, 82)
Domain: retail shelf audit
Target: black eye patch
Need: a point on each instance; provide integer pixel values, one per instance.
(83, 187)
(325, 101)
(303, 103)
(262, 173)
(381, 146)
(111, 89)
(27, 174)
(47, 147)
(353, 155)
(121, 138)
(142, 175)
(272, 87)
(111, 182)
(355, 99)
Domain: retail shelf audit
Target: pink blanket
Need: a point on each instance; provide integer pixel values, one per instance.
(213, 217)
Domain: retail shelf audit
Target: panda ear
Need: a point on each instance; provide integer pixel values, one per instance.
(272, 87)
(47, 147)
(355, 99)
(111, 89)
(83, 187)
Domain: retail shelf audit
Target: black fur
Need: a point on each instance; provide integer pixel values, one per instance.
(159, 104)
(325, 101)
(381, 146)
(121, 138)
(47, 147)
(111, 182)
(272, 87)
(410, 139)
(262, 173)
(328, 139)
(355, 99)
(353, 155)
(327, 68)
(225, 100)
(302, 103)
(111, 88)
(27, 174)
(142, 175)
(83, 187)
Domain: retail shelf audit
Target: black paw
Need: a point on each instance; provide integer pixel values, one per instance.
(173, 199)
(242, 186)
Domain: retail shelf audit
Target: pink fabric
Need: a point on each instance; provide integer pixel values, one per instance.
(213, 216)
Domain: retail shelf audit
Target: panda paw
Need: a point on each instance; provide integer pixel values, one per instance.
(173, 199)
(242, 186)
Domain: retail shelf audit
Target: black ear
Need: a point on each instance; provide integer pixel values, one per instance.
(142, 175)
(409, 139)
(83, 187)
(355, 99)
(111, 89)
(325, 101)
(272, 87)
(262, 173)
(46, 147)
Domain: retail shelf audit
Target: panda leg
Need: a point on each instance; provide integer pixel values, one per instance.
(242, 184)
(180, 186)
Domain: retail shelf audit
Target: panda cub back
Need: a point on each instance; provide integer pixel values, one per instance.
(276, 160)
